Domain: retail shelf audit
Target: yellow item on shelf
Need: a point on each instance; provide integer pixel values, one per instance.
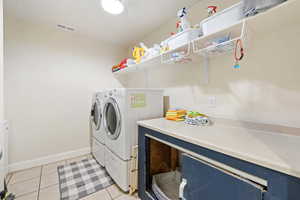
(138, 53)
(176, 115)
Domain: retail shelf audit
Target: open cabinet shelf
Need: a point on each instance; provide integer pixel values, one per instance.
(277, 18)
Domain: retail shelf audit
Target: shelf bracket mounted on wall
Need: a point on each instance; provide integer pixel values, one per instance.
(205, 72)
(146, 78)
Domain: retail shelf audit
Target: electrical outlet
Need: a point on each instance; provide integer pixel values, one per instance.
(212, 100)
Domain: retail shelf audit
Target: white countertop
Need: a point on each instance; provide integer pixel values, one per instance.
(274, 150)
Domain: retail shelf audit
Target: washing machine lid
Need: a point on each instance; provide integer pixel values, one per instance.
(96, 115)
(112, 119)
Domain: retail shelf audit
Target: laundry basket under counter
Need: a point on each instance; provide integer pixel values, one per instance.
(166, 185)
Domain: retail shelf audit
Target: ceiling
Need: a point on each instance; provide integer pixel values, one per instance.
(88, 18)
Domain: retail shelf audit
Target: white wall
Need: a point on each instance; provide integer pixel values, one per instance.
(50, 76)
(265, 89)
(1, 62)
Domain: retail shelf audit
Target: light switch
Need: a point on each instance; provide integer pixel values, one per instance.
(212, 100)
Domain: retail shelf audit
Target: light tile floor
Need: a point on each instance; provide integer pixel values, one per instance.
(41, 183)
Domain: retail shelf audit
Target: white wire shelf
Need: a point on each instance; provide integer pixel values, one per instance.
(220, 42)
(147, 63)
(178, 55)
(286, 14)
(186, 52)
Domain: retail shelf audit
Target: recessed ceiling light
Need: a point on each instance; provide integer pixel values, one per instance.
(114, 7)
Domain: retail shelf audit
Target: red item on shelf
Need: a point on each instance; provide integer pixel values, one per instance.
(239, 49)
(121, 65)
(212, 10)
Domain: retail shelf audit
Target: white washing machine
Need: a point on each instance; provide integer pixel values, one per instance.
(122, 109)
(97, 128)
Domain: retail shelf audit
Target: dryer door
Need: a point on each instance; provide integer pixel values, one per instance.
(112, 119)
(96, 115)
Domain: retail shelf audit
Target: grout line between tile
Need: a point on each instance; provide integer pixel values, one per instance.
(7, 178)
(25, 194)
(24, 180)
(38, 192)
(108, 193)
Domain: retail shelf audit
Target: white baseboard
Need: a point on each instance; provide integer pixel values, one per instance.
(47, 159)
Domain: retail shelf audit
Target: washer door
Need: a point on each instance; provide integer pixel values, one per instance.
(96, 115)
(112, 119)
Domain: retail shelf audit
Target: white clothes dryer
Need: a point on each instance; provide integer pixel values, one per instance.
(121, 111)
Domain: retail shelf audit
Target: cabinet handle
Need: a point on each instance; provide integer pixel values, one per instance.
(181, 188)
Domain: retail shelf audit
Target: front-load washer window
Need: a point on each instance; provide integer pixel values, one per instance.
(96, 115)
(112, 119)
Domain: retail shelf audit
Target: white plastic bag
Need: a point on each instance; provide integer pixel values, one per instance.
(252, 7)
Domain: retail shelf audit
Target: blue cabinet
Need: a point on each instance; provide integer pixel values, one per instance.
(204, 181)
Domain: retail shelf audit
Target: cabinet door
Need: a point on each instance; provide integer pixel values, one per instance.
(206, 182)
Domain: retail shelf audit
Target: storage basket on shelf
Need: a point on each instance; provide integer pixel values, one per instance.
(182, 38)
(222, 41)
(222, 19)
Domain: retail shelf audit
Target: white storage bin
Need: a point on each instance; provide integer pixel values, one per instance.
(223, 19)
(182, 38)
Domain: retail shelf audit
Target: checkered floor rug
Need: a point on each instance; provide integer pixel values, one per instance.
(80, 179)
